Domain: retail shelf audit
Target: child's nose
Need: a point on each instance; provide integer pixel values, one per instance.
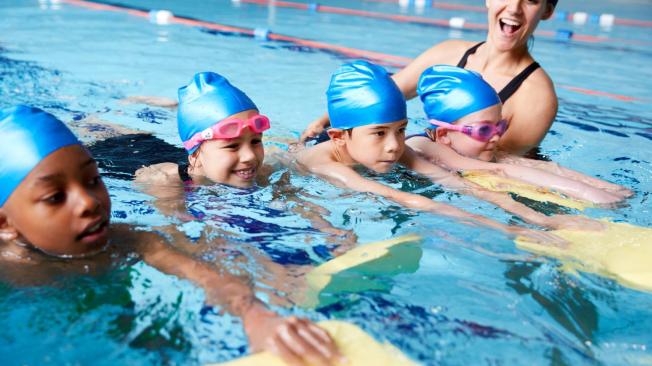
(87, 203)
(392, 143)
(494, 138)
(247, 153)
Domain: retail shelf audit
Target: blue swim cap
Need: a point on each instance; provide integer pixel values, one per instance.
(361, 93)
(208, 99)
(449, 93)
(27, 136)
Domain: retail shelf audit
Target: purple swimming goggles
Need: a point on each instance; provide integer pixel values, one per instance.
(481, 131)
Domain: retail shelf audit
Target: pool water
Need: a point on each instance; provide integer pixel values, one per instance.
(475, 298)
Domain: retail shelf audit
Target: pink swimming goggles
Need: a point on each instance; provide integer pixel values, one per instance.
(229, 128)
(482, 131)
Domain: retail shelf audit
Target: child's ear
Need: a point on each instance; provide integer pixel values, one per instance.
(336, 135)
(193, 160)
(7, 231)
(441, 136)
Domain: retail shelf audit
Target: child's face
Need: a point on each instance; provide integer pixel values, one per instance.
(468, 146)
(377, 147)
(235, 161)
(62, 207)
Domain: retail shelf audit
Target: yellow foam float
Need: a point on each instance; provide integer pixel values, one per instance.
(621, 251)
(496, 183)
(359, 348)
(355, 270)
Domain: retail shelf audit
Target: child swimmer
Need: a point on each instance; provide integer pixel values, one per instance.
(466, 115)
(54, 205)
(368, 119)
(221, 129)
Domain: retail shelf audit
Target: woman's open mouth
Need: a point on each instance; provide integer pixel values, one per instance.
(509, 26)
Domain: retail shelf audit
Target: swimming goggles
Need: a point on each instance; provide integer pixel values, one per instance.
(229, 128)
(482, 131)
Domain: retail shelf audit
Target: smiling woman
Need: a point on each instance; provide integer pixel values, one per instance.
(504, 61)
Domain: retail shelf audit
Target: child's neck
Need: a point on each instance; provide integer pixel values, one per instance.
(341, 155)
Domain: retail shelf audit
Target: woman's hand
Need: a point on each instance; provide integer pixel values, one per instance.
(299, 342)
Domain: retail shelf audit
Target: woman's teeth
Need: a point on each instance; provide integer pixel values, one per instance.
(509, 26)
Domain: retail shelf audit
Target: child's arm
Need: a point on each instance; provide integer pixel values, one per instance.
(450, 180)
(555, 168)
(542, 178)
(343, 175)
(297, 341)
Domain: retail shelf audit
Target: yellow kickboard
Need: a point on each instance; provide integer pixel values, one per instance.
(354, 270)
(359, 348)
(496, 183)
(622, 252)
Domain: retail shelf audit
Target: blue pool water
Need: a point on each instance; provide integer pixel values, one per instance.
(475, 298)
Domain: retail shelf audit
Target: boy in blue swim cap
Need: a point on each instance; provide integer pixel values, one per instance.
(464, 113)
(368, 119)
(53, 203)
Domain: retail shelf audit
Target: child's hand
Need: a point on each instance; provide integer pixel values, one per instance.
(574, 222)
(539, 237)
(297, 341)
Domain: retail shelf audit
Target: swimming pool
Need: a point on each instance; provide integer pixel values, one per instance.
(475, 298)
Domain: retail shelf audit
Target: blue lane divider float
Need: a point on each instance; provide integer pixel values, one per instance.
(582, 18)
(313, 7)
(262, 34)
(563, 35)
(161, 17)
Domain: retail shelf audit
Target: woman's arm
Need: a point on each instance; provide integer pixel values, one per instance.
(297, 341)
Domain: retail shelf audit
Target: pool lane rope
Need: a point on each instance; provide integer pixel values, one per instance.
(453, 22)
(166, 17)
(578, 17)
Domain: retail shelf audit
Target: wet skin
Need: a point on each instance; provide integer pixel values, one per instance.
(61, 208)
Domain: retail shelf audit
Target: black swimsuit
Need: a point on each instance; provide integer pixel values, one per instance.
(513, 85)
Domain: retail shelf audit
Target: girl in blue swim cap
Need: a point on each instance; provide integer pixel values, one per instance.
(464, 114)
(221, 129)
(53, 203)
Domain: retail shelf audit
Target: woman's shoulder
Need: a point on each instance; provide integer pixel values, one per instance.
(539, 85)
(449, 51)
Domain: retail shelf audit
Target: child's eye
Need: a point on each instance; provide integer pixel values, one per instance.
(380, 133)
(402, 130)
(233, 146)
(55, 198)
(256, 141)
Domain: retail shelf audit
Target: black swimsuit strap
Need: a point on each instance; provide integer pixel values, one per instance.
(468, 52)
(516, 82)
(183, 173)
